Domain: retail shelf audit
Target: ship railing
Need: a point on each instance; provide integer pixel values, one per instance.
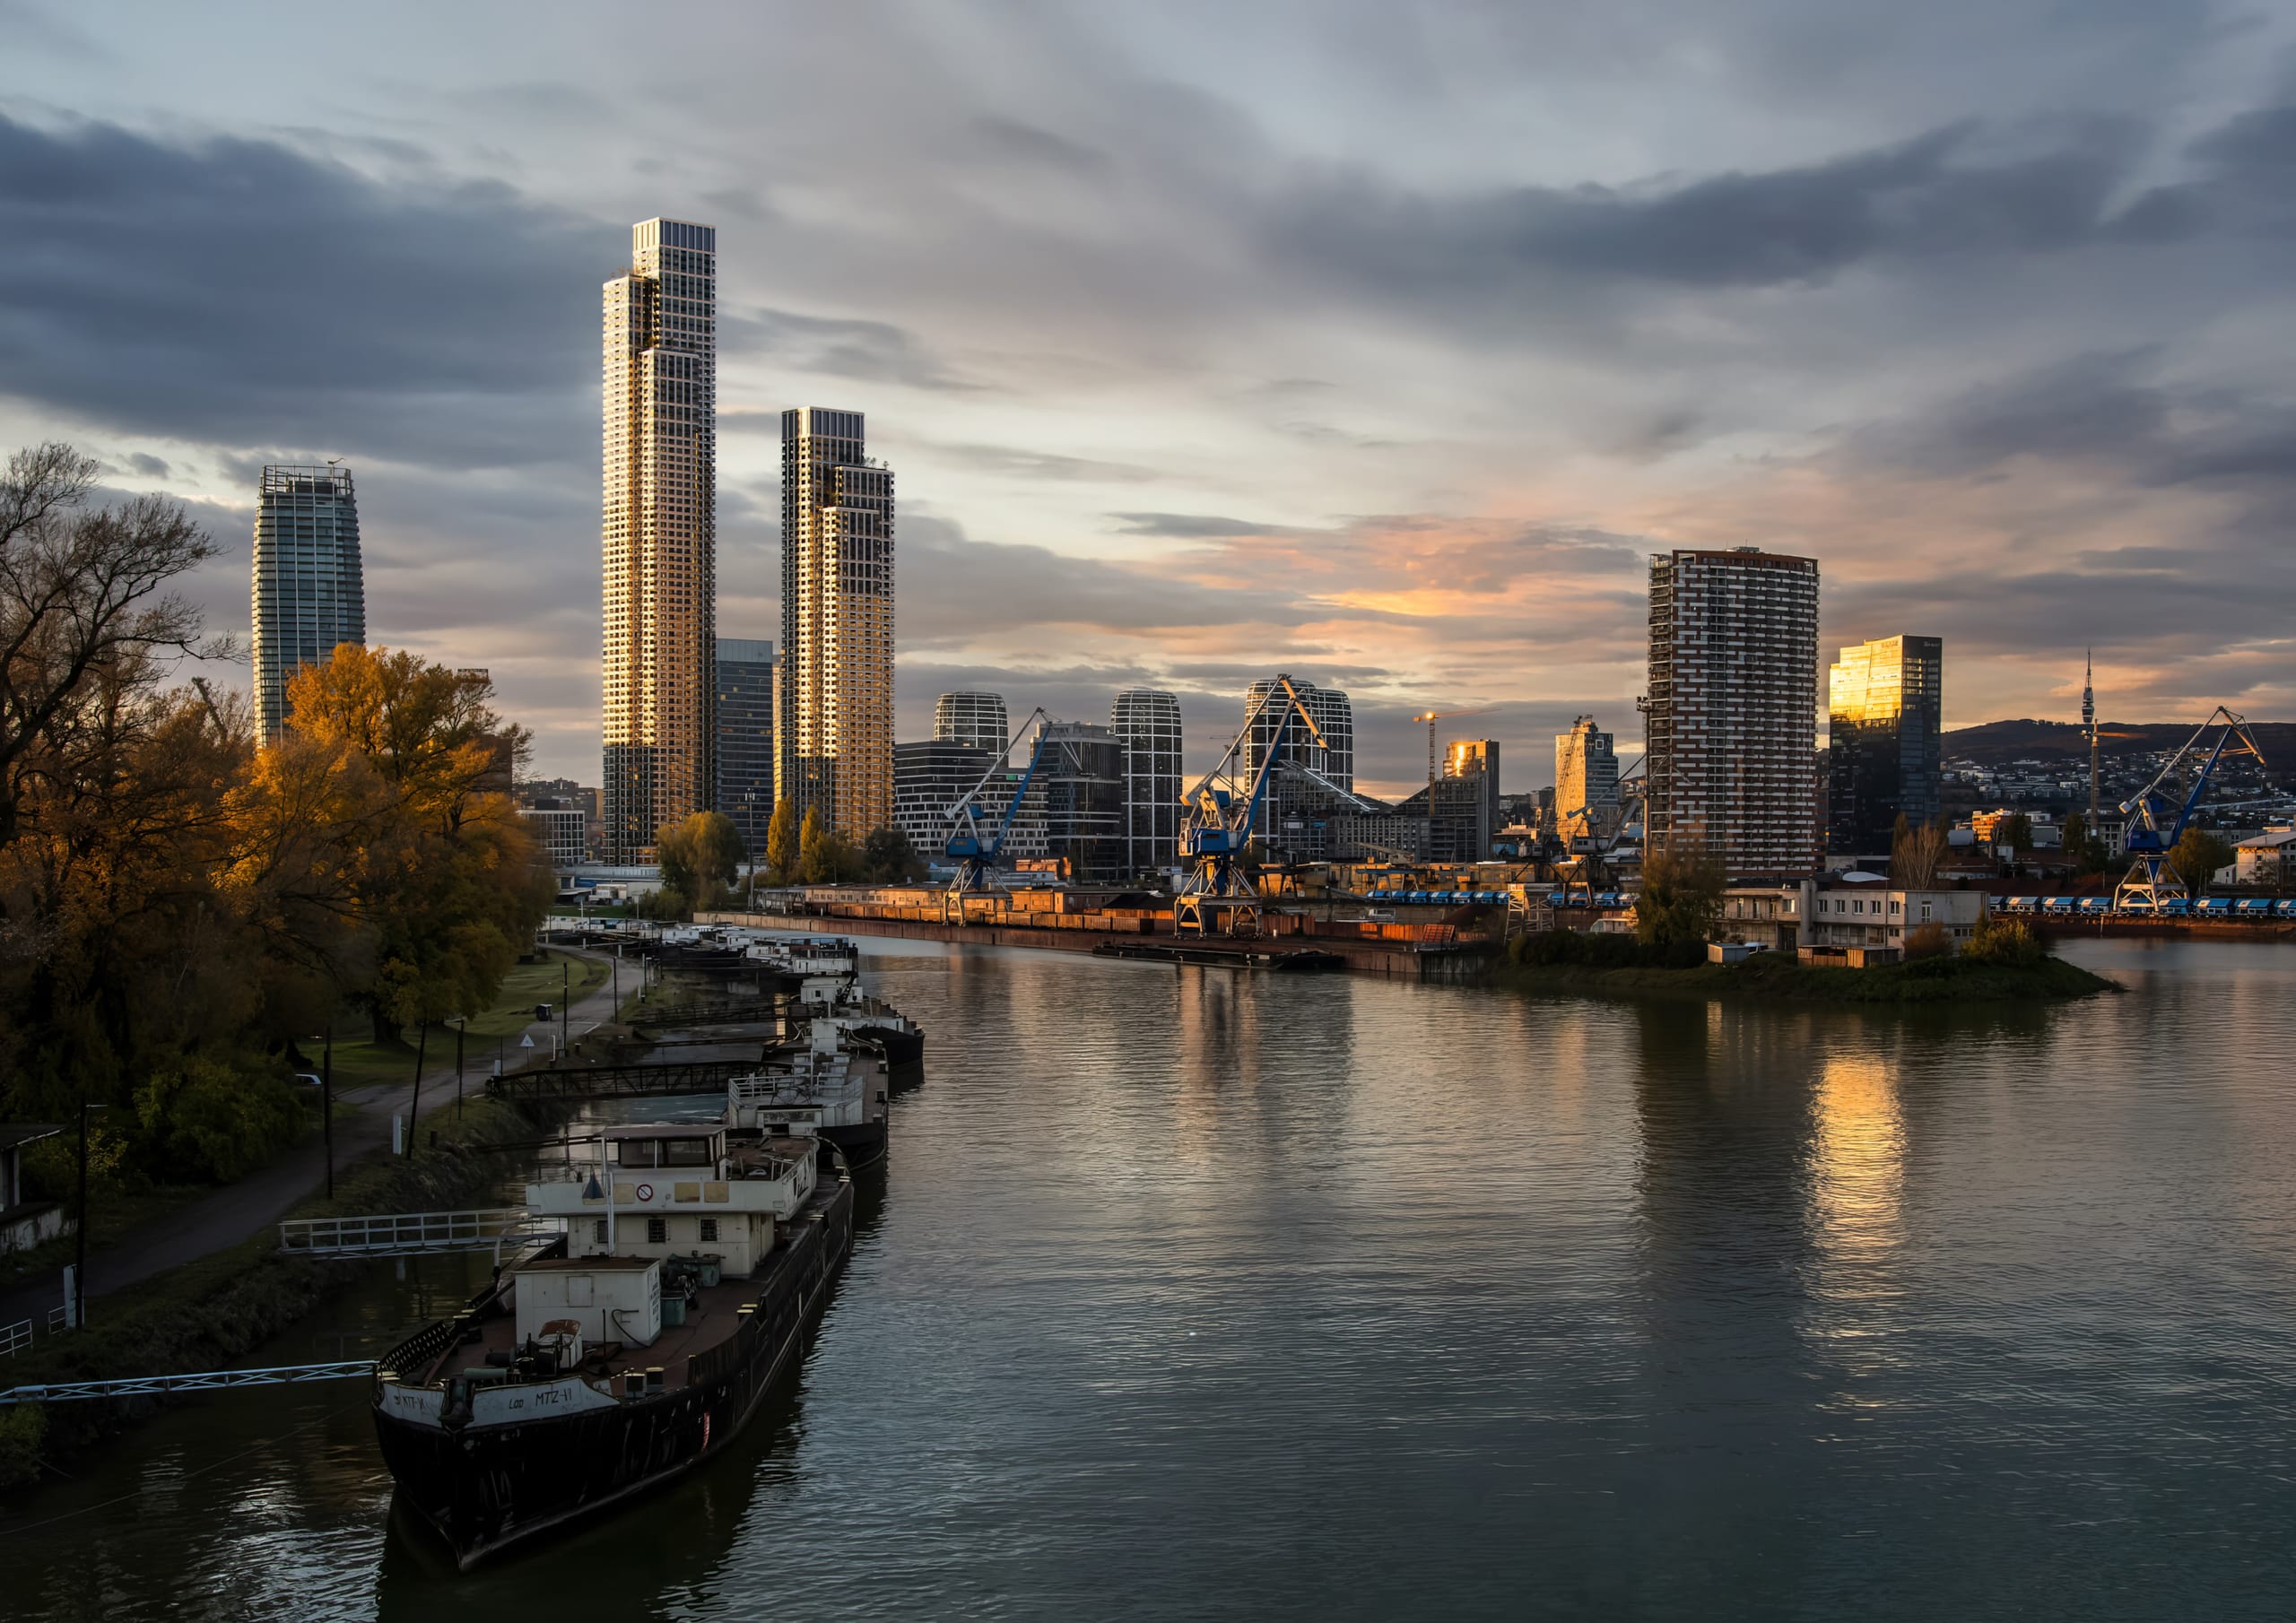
(412, 1233)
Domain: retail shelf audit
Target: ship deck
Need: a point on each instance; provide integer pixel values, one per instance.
(716, 1320)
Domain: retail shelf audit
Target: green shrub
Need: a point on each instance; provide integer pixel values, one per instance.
(2006, 941)
(1584, 948)
(209, 1120)
(23, 1426)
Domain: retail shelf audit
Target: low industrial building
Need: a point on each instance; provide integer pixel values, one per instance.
(2267, 860)
(25, 1223)
(1865, 912)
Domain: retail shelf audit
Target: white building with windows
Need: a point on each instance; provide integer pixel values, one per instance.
(1862, 910)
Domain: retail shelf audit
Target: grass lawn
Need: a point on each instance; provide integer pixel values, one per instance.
(360, 1060)
(111, 1216)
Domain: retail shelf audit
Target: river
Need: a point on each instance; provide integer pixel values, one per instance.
(1193, 1294)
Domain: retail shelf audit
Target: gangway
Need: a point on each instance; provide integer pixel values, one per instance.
(210, 1380)
(668, 1080)
(415, 1233)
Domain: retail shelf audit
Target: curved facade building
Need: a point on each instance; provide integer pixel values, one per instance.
(975, 720)
(1146, 720)
(308, 591)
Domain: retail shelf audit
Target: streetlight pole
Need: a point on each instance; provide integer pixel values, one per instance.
(462, 1024)
(80, 1241)
(565, 1012)
(414, 1104)
(327, 1101)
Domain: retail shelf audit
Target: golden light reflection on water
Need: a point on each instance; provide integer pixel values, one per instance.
(1857, 1204)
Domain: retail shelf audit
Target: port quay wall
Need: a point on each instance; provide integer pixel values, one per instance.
(1084, 932)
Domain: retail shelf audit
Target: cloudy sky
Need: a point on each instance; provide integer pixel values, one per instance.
(1378, 343)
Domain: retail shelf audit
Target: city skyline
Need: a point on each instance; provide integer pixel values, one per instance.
(1434, 472)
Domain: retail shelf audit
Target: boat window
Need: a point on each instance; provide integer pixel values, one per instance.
(657, 1231)
(635, 1153)
(601, 1232)
(685, 1152)
(709, 1229)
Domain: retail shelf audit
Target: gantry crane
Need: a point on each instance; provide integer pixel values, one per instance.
(972, 845)
(1216, 895)
(2153, 880)
(1591, 865)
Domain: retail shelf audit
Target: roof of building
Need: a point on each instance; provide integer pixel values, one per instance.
(2267, 842)
(16, 1134)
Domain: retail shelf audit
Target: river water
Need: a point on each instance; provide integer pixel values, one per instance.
(1197, 1294)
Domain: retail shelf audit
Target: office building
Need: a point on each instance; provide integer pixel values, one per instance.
(1586, 778)
(1295, 816)
(1080, 787)
(1884, 724)
(561, 832)
(834, 732)
(933, 775)
(746, 737)
(1733, 708)
(308, 591)
(976, 719)
(660, 524)
(1146, 720)
(1475, 761)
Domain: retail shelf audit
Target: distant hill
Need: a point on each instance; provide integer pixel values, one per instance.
(1995, 742)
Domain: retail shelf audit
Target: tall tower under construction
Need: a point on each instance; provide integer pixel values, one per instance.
(2089, 730)
(835, 729)
(660, 611)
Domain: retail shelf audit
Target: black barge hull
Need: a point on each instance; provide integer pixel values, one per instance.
(485, 1489)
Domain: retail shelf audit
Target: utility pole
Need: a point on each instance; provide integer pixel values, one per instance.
(565, 1013)
(414, 1104)
(462, 1025)
(80, 1244)
(327, 1101)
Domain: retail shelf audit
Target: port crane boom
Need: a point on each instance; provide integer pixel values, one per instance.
(973, 844)
(1216, 894)
(2158, 820)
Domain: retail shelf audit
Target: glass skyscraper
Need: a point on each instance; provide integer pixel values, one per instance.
(1883, 753)
(660, 532)
(745, 736)
(308, 592)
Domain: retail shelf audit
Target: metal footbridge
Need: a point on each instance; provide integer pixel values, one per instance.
(209, 1380)
(661, 1081)
(416, 1233)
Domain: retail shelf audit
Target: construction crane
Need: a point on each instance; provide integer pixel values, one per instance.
(1216, 895)
(1633, 808)
(973, 845)
(2157, 821)
(1434, 755)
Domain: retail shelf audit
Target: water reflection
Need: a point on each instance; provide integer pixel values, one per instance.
(1193, 1293)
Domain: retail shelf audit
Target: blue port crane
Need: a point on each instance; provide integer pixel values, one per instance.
(1217, 894)
(975, 844)
(2157, 819)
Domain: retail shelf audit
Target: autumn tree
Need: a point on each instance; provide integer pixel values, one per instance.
(449, 881)
(699, 855)
(888, 857)
(782, 849)
(2196, 855)
(1915, 855)
(1680, 899)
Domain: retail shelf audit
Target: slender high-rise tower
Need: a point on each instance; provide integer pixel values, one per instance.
(308, 586)
(659, 714)
(1731, 721)
(2089, 730)
(1146, 721)
(835, 729)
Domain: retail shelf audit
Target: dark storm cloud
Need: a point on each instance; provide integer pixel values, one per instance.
(1964, 191)
(1194, 526)
(2110, 409)
(238, 291)
(954, 588)
(869, 352)
(1045, 464)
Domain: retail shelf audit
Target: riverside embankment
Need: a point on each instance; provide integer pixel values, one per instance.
(1412, 952)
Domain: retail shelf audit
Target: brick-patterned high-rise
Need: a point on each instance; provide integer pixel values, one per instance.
(1732, 724)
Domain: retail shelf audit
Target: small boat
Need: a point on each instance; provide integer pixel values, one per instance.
(829, 1087)
(696, 1261)
(839, 999)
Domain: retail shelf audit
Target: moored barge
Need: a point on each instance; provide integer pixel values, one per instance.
(694, 1266)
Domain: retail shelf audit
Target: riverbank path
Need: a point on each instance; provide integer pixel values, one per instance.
(218, 1221)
